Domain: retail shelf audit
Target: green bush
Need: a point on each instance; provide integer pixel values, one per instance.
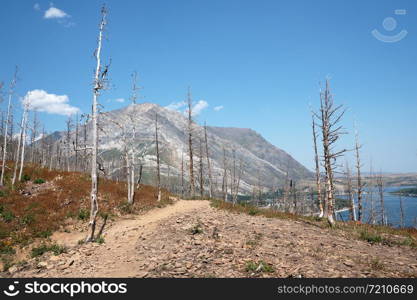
(370, 237)
(28, 219)
(99, 240)
(25, 178)
(56, 249)
(7, 216)
(260, 266)
(253, 211)
(83, 214)
(39, 181)
(44, 234)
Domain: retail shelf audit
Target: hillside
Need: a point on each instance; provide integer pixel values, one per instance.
(50, 201)
(193, 239)
(262, 162)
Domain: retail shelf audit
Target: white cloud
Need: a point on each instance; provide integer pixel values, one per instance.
(176, 105)
(120, 100)
(181, 107)
(55, 13)
(218, 108)
(40, 100)
(37, 7)
(199, 107)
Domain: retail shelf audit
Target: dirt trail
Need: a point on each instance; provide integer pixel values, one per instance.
(192, 239)
(117, 257)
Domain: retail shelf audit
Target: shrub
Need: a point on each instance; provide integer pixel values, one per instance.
(83, 214)
(39, 181)
(28, 219)
(253, 211)
(99, 240)
(7, 216)
(44, 234)
(56, 249)
(370, 237)
(196, 229)
(25, 178)
(38, 251)
(259, 267)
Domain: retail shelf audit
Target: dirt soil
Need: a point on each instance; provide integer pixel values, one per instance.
(192, 239)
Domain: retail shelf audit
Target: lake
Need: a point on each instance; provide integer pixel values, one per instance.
(392, 207)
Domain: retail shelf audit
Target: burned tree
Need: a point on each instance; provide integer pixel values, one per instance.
(350, 194)
(5, 134)
(158, 166)
(190, 142)
(317, 165)
(360, 185)
(99, 81)
(208, 163)
(330, 117)
(380, 184)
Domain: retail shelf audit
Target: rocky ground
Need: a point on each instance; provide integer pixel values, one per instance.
(192, 239)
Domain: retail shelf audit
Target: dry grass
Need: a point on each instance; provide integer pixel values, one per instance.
(371, 233)
(45, 207)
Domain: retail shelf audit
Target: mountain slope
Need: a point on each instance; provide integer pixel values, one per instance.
(261, 160)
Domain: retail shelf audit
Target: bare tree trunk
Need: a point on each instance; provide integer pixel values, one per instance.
(76, 141)
(182, 175)
(208, 163)
(224, 185)
(380, 184)
(190, 143)
(98, 85)
(318, 177)
(22, 159)
(360, 185)
(20, 142)
(402, 214)
(158, 168)
(331, 131)
(350, 193)
(201, 170)
(9, 111)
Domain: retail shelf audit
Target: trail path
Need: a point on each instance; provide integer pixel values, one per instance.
(192, 239)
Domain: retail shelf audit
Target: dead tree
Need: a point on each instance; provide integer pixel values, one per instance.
(5, 134)
(370, 196)
(20, 142)
(380, 184)
(25, 124)
(239, 175)
(190, 142)
(76, 140)
(224, 184)
(330, 116)
(360, 185)
(182, 175)
(317, 165)
(201, 169)
(158, 167)
(350, 193)
(99, 79)
(402, 213)
(68, 142)
(208, 163)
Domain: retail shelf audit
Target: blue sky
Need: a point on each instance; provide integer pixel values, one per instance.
(262, 61)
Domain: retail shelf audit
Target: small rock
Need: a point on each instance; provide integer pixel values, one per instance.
(13, 269)
(42, 265)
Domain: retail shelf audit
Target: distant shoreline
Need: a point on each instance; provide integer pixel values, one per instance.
(406, 192)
